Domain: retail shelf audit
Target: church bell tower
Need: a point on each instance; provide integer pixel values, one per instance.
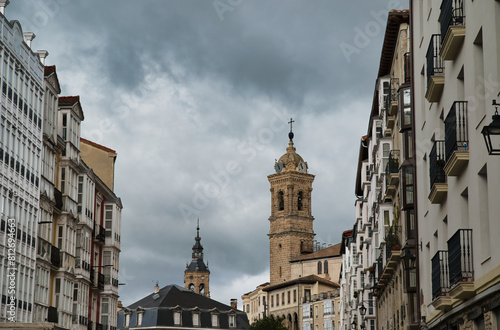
(197, 274)
(291, 231)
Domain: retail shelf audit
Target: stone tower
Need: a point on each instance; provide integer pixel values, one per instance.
(291, 231)
(197, 274)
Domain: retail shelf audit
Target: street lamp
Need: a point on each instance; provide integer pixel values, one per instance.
(353, 324)
(362, 310)
(492, 131)
(409, 260)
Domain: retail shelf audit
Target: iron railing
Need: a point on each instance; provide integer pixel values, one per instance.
(456, 128)
(437, 162)
(393, 163)
(55, 256)
(460, 257)
(100, 281)
(452, 13)
(440, 274)
(52, 315)
(393, 97)
(435, 66)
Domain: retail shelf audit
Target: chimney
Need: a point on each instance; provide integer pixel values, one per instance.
(29, 36)
(157, 287)
(3, 4)
(234, 303)
(42, 54)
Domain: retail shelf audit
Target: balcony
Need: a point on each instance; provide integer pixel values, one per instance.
(100, 281)
(460, 264)
(390, 121)
(456, 139)
(55, 257)
(392, 168)
(440, 282)
(439, 187)
(435, 70)
(392, 100)
(53, 316)
(99, 233)
(452, 28)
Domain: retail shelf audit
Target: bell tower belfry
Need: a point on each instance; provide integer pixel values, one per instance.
(197, 274)
(291, 231)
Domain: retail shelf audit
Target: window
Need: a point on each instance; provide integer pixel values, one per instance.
(281, 201)
(215, 318)
(299, 201)
(319, 267)
(232, 321)
(272, 301)
(278, 299)
(177, 318)
(407, 186)
(283, 298)
(288, 296)
(196, 319)
(325, 267)
(404, 110)
(294, 295)
(307, 294)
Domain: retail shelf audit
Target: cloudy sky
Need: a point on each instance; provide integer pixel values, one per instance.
(195, 97)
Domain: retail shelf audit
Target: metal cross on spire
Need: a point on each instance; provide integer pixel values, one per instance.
(290, 135)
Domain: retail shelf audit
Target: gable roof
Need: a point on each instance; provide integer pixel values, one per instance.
(50, 73)
(331, 251)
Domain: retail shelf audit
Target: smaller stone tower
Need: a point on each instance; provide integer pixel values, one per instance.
(197, 274)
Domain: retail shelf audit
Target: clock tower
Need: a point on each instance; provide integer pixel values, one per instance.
(197, 274)
(291, 231)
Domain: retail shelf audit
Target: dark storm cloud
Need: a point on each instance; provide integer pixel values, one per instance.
(181, 91)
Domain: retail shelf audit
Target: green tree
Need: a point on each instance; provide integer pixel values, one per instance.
(268, 323)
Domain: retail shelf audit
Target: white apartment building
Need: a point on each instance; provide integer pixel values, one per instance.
(456, 45)
(21, 100)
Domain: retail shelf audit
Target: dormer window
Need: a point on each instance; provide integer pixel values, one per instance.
(232, 321)
(177, 317)
(196, 319)
(215, 320)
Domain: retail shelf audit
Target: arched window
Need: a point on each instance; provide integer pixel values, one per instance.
(325, 267)
(202, 288)
(191, 287)
(319, 267)
(299, 201)
(281, 201)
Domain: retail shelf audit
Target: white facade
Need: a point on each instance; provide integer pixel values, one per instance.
(456, 48)
(21, 114)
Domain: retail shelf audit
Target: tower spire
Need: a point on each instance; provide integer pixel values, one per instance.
(197, 274)
(290, 135)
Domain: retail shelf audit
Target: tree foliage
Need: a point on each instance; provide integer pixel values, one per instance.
(268, 323)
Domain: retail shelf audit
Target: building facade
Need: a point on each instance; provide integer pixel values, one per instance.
(21, 144)
(456, 78)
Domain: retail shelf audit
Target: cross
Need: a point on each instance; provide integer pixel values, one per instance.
(291, 123)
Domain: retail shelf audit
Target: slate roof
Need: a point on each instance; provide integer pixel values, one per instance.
(69, 100)
(159, 310)
(201, 266)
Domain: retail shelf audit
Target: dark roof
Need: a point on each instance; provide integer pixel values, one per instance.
(159, 310)
(174, 295)
(69, 100)
(198, 262)
(311, 279)
(331, 251)
(49, 71)
(395, 18)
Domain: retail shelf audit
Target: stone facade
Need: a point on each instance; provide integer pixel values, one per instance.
(291, 223)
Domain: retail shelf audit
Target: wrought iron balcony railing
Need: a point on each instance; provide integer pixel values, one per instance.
(435, 66)
(437, 162)
(393, 97)
(452, 13)
(55, 256)
(456, 128)
(440, 274)
(460, 257)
